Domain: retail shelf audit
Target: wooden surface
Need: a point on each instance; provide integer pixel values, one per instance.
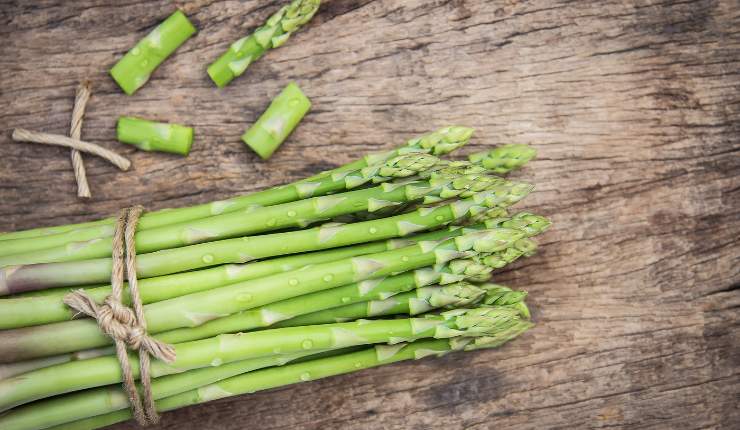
(634, 107)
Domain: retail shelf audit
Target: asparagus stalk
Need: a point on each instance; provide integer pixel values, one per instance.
(504, 158)
(133, 70)
(253, 219)
(154, 136)
(30, 311)
(79, 375)
(15, 279)
(311, 370)
(195, 309)
(278, 121)
(273, 34)
(442, 142)
(417, 302)
(439, 142)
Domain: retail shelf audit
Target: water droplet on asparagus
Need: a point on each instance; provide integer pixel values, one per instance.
(135, 51)
(404, 258)
(373, 230)
(208, 258)
(328, 278)
(358, 365)
(291, 213)
(346, 299)
(216, 362)
(439, 218)
(271, 222)
(293, 282)
(305, 376)
(307, 344)
(294, 102)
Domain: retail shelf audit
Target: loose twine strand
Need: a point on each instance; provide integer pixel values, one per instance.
(75, 132)
(124, 325)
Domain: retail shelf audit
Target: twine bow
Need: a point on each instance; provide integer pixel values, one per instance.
(126, 326)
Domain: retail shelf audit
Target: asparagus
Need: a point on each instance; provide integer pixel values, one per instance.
(198, 308)
(273, 34)
(79, 375)
(377, 288)
(474, 269)
(278, 121)
(260, 219)
(154, 136)
(30, 311)
(439, 142)
(497, 192)
(442, 142)
(133, 70)
(456, 270)
(306, 371)
(504, 158)
(417, 302)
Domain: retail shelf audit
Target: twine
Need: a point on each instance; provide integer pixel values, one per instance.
(23, 135)
(75, 131)
(124, 325)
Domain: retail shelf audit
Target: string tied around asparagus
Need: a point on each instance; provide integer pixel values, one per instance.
(127, 326)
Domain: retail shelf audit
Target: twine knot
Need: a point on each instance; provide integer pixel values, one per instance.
(125, 325)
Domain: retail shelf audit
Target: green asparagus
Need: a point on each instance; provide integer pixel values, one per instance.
(154, 136)
(133, 70)
(195, 309)
(306, 371)
(278, 121)
(496, 192)
(79, 375)
(273, 34)
(504, 158)
(31, 311)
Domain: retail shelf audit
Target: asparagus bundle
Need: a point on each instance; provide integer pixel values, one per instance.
(252, 296)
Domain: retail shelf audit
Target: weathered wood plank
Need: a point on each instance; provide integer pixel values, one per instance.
(634, 107)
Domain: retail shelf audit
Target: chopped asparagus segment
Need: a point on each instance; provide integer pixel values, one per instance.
(133, 70)
(155, 136)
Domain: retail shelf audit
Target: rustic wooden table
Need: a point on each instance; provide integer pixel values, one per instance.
(634, 107)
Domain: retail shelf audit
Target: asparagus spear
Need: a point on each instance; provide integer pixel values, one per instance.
(439, 142)
(198, 308)
(133, 70)
(306, 371)
(15, 279)
(278, 121)
(273, 34)
(504, 158)
(222, 349)
(416, 302)
(154, 136)
(29, 311)
(260, 219)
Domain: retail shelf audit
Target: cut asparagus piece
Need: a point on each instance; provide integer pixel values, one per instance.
(309, 370)
(133, 70)
(273, 34)
(15, 279)
(439, 142)
(154, 136)
(73, 376)
(504, 158)
(253, 219)
(198, 308)
(31, 311)
(278, 121)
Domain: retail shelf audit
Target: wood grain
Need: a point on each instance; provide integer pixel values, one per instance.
(634, 107)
